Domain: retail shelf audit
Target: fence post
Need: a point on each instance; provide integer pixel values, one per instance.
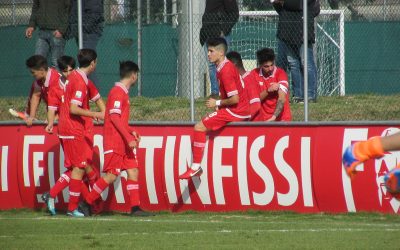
(305, 65)
(139, 44)
(191, 67)
(80, 34)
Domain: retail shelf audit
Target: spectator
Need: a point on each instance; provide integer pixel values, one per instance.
(218, 19)
(51, 17)
(92, 25)
(290, 45)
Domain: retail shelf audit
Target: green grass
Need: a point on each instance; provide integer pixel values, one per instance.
(347, 108)
(246, 230)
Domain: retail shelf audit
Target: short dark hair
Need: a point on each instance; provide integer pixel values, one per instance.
(235, 58)
(85, 57)
(265, 55)
(65, 61)
(217, 41)
(127, 68)
(36, 62)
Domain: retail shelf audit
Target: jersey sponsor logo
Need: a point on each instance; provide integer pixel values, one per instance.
(78, 94)
(117, 104)
(261, 83)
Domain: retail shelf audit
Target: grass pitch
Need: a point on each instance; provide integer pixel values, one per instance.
(25, 229)
(330, 108)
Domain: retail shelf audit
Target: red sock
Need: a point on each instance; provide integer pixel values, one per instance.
(133, 190)
(98, 188)
(61, 183)
(199, 142)
(84, 190)
(93, 176)
(74, 194)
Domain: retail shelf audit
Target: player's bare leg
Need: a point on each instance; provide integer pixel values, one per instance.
(132, 186)
(199, 142)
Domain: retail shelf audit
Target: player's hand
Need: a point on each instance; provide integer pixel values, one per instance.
(272, 119)
(29, 32)
(57, 34)
(211, 103)
(137, 136)
(273, 87)
(133, 144)
(49, 128)
(29, 121)
(98, 115)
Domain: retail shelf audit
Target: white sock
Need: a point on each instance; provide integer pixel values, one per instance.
(195, 166)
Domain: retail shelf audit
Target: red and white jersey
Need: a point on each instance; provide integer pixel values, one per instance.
(56, 94)
(230, 84)
(117, 103)
(43, 86)
(269, 104)
(79, 90)
(253, 92)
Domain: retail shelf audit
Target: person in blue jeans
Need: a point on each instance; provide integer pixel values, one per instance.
(51, 18)
(218, 20)
(291, 47)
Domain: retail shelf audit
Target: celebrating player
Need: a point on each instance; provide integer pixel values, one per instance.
(66, 64)
(44, 77)
(233, 106)
(250, 84)
(120, 140)
(274, 88)
(75, 127)
(375, 147)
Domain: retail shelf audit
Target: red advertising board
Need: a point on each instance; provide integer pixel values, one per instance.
(295, 168)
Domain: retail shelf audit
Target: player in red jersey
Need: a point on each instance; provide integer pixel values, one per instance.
(120, 140)
(44, 77)
(274, 87)
(250, 84)
(233, 106)
(75, 126)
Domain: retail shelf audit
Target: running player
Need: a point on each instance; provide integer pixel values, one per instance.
(120, 141)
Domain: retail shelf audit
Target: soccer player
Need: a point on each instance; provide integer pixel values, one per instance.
(120, 140)
(250, 84)
(44, 77)
(275, 89)
(375, 147)
(233, 106)
(75, 127)
(66, 64)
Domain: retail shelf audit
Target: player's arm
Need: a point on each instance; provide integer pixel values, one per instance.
(212, 103)
(129, 138)
(279, 105)
(76, 110)
(51, 114)
(100, 105)
(34, 103)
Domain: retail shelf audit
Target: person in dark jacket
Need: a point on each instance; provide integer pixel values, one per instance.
(92, 25)
(218, 20)
(92, 22)
(290, 44)
(51, 17)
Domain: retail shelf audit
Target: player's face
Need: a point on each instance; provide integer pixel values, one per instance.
(267, 67)
(39, 74)
(214, 54)
(66, 72)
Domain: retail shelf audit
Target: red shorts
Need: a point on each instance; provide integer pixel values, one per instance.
(115, 163)
(220, 118)
(78, 151)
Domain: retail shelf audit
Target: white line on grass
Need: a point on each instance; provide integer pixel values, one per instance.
(223, 231)
(177, 221)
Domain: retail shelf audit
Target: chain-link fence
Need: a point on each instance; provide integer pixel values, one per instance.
(355, 53)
